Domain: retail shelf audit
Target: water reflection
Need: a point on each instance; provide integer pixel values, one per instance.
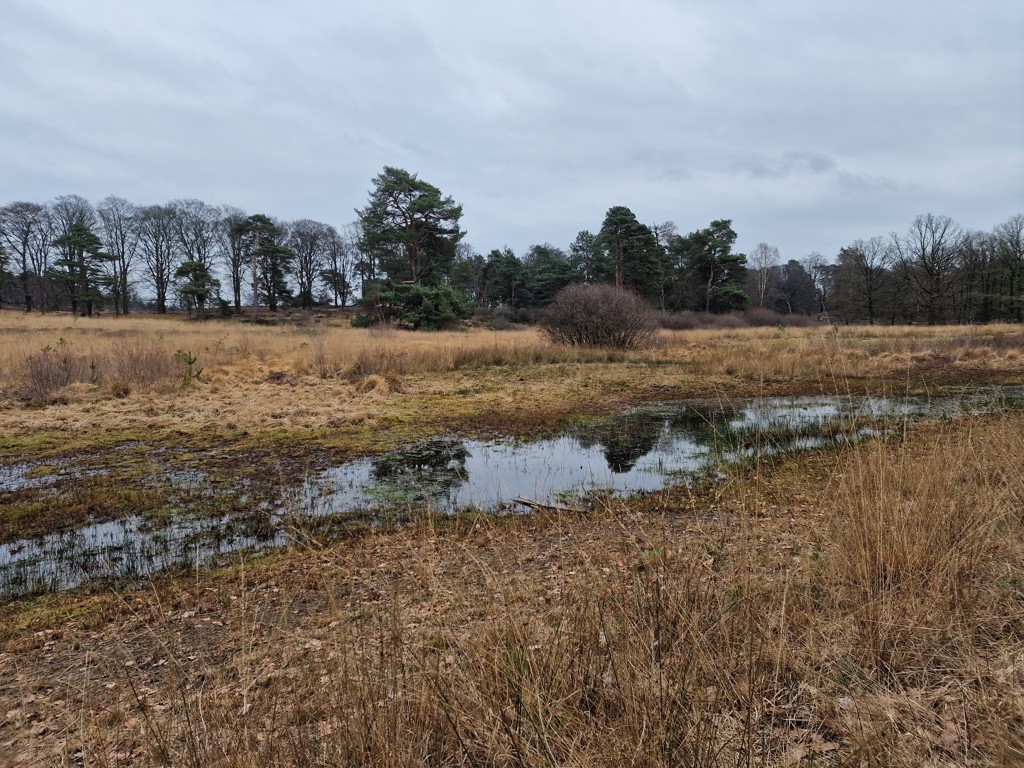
(431, 468)
(638, 450)
(642, 449)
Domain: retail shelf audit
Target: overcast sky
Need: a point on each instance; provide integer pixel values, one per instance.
(807, 123)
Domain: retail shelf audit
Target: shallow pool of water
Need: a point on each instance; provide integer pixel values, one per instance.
(642, 449)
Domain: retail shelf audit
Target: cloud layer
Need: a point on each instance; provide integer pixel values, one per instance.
(809, 124)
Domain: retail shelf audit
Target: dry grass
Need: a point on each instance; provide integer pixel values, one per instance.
(142, 350)
(860, 608)
(105, 374)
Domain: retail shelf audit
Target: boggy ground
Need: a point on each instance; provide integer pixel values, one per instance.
(856, 607)
(862, 606)
(118, 399)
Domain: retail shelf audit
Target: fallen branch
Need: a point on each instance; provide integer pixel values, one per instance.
(540, 505)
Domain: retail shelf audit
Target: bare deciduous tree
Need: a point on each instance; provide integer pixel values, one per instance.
(157, 239)
(26, 234)
(120, 234)
(340, 271)
(1010, 250)
(864, 268)
(763, 265)
(197, 229)
(310, 241)
(928, 255)
(232, 249)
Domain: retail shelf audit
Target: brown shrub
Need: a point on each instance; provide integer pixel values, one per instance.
(52, 369)
(599, 316)
(762, 317)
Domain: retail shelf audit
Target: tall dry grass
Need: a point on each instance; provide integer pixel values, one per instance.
(40, 354)
(649, 634)
(923, 544)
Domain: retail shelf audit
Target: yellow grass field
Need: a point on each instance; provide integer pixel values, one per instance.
(108, 374)
(858, 606)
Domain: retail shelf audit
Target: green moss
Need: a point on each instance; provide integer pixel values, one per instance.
(42, 470)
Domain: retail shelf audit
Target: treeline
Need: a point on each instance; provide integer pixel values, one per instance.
(405, 257)
(936, 272)
(69, 254)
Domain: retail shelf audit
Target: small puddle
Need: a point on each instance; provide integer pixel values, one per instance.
(35, 475)
(643, 449)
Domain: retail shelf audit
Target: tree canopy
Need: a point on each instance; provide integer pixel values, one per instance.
(717, 275)
(70, 254)
(410, 228)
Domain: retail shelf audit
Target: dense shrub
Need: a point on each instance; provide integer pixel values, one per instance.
(687, 320)
(753, 317)
(599, 316)
(424, 307)
(727, 321)
(761, 317)
(679, 321)
(501, 319)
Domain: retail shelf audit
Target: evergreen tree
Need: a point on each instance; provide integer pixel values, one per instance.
(715, 275)
(410, 228)
(262, 241)
(632, 252)
(80, 266)
(505, 278)
(467, 273)
(589, 259)
(197, 285)
(548, 271)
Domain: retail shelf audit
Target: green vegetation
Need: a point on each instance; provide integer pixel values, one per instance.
(422, 307)
(68, 254)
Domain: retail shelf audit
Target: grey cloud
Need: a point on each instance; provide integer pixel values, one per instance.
(805, 122)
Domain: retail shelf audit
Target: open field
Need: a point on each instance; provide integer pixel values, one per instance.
(856, 606)
(125, 376)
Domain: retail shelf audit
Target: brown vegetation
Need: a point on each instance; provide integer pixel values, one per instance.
(820, 611)
(107, 374)
(599, 316)
(859, 607)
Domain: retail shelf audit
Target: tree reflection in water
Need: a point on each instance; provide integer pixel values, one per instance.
(427, 470)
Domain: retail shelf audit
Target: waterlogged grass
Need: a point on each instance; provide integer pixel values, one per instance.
(184, 508)
(63, 497)
(859, 607)
(854, 607)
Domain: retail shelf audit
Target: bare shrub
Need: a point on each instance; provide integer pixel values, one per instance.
(141, 361)
(525, 315)
(762, 317)
(501, 320)
(53, 368)
(687, 320)
(679, 321)
(731, 321)
(599, 316)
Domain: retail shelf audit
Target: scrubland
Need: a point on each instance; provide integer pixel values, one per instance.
(858, 606)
